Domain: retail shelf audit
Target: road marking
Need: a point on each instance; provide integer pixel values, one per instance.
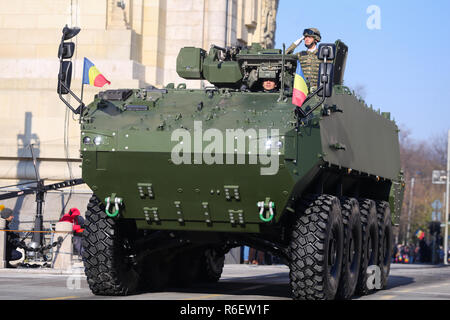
(61, 298)
(412, 289)
(387, 297)
(204, 297)
(425, 293)
(443, 284)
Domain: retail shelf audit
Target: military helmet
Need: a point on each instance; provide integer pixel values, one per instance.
(312, 32)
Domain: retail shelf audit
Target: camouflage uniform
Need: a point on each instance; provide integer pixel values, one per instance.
(310, 67)
(309, 61)
(291, 48)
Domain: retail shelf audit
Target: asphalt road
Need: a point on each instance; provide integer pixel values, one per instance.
(238, 282)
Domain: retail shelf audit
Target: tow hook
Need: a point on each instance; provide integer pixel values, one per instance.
(117, 201)
(265, 206)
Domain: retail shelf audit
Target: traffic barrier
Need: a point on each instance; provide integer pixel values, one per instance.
(62, 257)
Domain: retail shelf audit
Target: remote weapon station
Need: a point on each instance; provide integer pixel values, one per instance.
(180, 176)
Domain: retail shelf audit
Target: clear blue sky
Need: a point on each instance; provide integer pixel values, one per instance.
(404, 67)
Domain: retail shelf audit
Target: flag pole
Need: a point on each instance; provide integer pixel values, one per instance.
(82, 90)
(81, 98)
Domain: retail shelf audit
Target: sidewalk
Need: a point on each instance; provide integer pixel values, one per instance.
(76, 268)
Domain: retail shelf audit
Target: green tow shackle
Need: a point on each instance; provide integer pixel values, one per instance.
(117, 201)
(263, 206)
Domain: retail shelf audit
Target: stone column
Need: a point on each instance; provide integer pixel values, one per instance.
(117, 14)
(268, 23)
(62, 257)
(216, 23)
(2, 244)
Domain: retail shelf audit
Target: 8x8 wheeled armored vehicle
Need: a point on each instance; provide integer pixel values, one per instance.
(180, 176)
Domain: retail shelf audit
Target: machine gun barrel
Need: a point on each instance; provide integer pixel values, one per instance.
(218, 48)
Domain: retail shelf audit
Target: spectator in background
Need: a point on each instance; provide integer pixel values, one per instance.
(424, 255)
(12, 240)
(74, 217)
(256, 256)
(245, 251)
(412, 251)
(416, 253)
(441, 254)
(395, 254)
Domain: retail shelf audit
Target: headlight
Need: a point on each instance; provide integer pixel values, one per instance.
(86, 140)
(97, 140)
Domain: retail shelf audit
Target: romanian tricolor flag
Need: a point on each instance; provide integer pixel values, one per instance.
(420, 234)
(92, 76)
(300, 91)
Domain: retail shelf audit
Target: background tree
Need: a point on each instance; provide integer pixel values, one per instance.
(419, 159)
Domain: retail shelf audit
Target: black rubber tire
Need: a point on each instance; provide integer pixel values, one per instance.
(369, 252)
(351, 259)
(105, 260)
(316, 247)
(386, 240)
(212, 262)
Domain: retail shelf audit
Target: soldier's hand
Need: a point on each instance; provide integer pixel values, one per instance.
(298, 41)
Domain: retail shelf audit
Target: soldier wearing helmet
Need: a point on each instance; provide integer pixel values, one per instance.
(308, 58)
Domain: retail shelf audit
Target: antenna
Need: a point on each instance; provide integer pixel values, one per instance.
(283, 61)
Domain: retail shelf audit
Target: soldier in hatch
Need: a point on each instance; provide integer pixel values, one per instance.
(308, 58)
(269, 85)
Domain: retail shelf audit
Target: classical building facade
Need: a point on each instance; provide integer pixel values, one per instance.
(134, 43)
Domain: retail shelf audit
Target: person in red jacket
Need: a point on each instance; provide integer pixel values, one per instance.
(74, 217)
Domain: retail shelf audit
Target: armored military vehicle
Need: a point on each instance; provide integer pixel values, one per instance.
(180, 176)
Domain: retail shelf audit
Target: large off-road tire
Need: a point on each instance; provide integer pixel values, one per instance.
(316, 247)
(211, 266)
(386, 238)
(369, 252)
(106, 260)
(351, 260)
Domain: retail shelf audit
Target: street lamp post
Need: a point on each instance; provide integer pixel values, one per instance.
(408, 230)
(447, 200)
